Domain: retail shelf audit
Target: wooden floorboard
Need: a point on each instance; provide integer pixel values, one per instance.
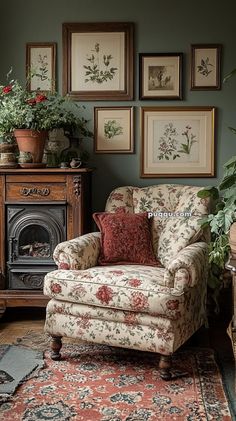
(16, 324)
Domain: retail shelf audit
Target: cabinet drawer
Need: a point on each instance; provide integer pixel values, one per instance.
(35, 192)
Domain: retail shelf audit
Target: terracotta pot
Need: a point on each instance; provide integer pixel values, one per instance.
(31, 141)
(232, 239)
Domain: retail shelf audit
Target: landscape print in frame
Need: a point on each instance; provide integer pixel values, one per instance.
(160, 76)
(40, 66)
(98, 61)
(113, 129)
(177, 141)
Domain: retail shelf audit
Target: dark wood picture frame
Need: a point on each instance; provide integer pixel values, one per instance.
(160, 76)
(205, 67)
(41, 76)
(114, 130)
(89, 57)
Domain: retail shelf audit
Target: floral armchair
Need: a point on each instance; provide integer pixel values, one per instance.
(134, 306)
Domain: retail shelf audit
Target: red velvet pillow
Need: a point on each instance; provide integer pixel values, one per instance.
(125, 238)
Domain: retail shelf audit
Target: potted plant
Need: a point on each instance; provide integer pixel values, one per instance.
(29, 116)
(222, 220)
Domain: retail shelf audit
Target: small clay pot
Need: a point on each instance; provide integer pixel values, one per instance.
(8, 157)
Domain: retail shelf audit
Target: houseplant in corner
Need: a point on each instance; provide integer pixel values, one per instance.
(222, 220)
(29, 116)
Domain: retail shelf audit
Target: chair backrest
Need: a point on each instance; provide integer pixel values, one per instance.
(176, 211)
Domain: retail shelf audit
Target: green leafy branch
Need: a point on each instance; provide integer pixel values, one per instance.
(190, 140)
(94, 72)
(203, 68)
(112, 129)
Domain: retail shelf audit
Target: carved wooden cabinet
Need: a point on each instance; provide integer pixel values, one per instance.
(38, 209)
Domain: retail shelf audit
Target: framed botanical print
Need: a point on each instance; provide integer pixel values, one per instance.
(160, 76)
(177, 141)
(113, 129)
(205, 66)
(98, 61)
(40, 66)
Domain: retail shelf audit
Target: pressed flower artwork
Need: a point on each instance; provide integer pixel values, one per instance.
(205, 66)
(98, 60)
(40, 66)
(177, 141)
(99, 68)
(113, 129)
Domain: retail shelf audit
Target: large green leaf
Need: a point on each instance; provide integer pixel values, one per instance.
(230, 203)
(230, 193)
(219, 206)
(229, 219)
(227, 182)
(209, 191)
(231, 162)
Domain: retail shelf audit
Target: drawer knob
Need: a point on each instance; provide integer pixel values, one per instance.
(25, 191)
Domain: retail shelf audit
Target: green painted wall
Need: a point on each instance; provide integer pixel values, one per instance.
(160, 26)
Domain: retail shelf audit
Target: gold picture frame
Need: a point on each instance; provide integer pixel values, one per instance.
(113, 130)
(177, 142)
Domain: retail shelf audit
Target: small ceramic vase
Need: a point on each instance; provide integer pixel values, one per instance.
(7, 157)
(64, 165)
(25, 157)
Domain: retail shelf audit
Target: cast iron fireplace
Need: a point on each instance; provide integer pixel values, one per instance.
(33, 231)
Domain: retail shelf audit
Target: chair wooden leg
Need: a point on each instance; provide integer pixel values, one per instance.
(56, 345)
(165, 366)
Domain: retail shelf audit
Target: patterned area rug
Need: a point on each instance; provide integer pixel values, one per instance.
(100, 383)
(16, 365)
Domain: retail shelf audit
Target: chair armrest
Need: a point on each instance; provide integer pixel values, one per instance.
(188, 267)
(78, 254)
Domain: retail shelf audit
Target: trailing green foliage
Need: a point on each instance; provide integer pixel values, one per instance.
(220, 221)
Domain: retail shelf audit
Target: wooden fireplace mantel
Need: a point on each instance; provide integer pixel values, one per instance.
(67, 187)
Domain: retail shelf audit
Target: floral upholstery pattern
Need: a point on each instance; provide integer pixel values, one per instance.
(172, 233)
(120, 198)
(186, 268)
(177, 234)
(79, 253)
(131, 329)
(135, 288)
(135, 306)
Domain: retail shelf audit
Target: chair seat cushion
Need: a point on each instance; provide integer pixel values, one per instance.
(134, 288)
